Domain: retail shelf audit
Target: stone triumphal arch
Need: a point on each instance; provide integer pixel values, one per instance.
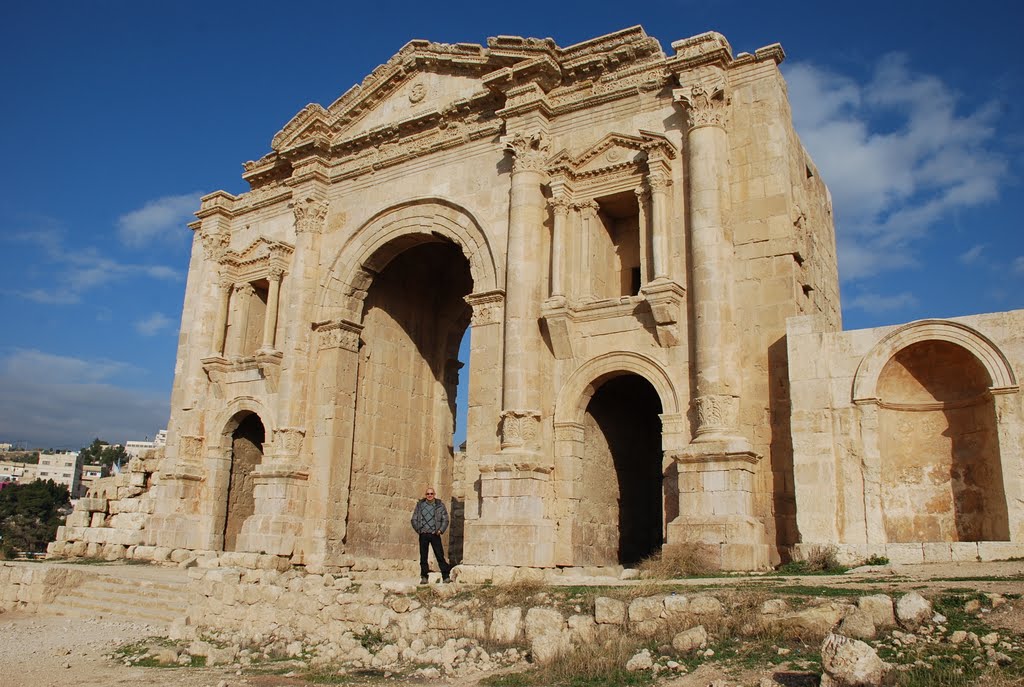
(643, 255)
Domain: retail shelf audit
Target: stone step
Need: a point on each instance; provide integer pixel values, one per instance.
(126, 598)
(85, 608)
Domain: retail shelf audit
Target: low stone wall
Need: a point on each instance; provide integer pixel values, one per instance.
(29, 587)
(919, 552)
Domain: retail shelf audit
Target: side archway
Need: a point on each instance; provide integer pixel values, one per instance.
(613, 419)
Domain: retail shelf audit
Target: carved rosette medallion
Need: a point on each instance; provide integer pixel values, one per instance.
(417, 93)
(530, 153)
(717, 413)
(520, 429)
(338, 334)
(309, 216)
(288, 441)
(706, 104)
(487, 307)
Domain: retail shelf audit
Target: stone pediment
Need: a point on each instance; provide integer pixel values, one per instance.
(611, 153)
(257, 259)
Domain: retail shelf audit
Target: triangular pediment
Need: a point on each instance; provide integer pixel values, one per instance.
(612, 152)
(261, 252)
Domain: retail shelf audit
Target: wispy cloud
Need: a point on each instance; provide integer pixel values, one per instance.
(153, 324)
(75, 271)
(972, 254)
(59, 401)
(875, 303)
(900, 153)
(157, 219)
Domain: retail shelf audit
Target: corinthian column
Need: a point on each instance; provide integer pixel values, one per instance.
(521, 381)
(270, 316)
(711, 275)
(221, 323)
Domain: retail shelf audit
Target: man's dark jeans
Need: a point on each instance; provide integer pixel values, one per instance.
(434, 541)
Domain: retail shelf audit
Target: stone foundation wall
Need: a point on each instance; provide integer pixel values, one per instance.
(29, 587)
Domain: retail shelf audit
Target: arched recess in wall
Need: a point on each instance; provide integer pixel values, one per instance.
(939, 466)
(402, 281)
(244, 433)
(393, 231)
(610, 421)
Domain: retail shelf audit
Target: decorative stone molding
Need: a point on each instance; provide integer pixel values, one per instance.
(658, 183)
(706, 102)
(529, 153)
(558, 318)
(309, 216)
(717, 413)
(570, 431)
(338, 334)
(487, 307)
(516, 467)
(520, 429)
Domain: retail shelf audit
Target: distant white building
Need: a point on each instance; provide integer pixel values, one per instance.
(63, 468)
(135, 448)
(4, 447)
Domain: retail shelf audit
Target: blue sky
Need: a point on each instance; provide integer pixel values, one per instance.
(117, 116)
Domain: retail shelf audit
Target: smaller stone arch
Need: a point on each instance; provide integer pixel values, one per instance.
(390, 232)
(865, 381)
(226, 422)
(576, 393)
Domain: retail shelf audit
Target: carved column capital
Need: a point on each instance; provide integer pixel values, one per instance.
(487, 307)
(529, 152)
(309, 216)
(275, 273)
(225, 283)
(706, 102)
(643, 194)
(559, 206)
(338, 334)
(215, 245)
(288, 442)
(243, 288)
(587, 207)
(658, 182)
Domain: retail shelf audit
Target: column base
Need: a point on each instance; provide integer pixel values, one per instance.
(732, 542)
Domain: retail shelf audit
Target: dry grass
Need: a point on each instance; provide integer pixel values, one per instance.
(678, 560)
(602, 662)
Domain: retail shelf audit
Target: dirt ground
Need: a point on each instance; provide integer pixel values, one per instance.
(44, 650)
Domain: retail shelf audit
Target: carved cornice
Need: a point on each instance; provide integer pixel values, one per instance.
(613, 155)
(256, 261)
(338, 334)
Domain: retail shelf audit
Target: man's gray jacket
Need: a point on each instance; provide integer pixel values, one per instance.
(428, 517)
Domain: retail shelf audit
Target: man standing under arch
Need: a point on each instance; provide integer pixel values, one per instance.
(430, 520)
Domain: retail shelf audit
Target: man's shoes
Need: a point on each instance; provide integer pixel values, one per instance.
(446, 580)
(424, 580)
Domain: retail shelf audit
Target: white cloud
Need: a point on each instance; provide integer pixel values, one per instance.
(875, 303)
(152, 324)
(899, 152)
(58, 401)
(157, 219)
(972, 254)
(75, 271)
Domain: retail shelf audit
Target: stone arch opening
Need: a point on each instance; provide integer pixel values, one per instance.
(621, 515)
(247, 438)
(414, 315)
(939, 444)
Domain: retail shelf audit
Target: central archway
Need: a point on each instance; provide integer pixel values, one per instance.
(414, 317)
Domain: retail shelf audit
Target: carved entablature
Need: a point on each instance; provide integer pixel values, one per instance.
(618, 162)
(256, 262)
(338, 334)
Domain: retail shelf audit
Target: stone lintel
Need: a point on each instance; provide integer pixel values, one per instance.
(732, 453)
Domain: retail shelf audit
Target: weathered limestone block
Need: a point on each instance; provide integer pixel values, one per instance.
(690, 640)
(543, 621)
(706, 605)
(506, 624)
(912, 610)
(609, 611)
(851, 663)
(646, 608)
(879, 608)
(858, 625)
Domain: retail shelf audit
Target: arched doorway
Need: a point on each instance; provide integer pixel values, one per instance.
(246, 453)
(620, 515)
(941, 467)
(414, 317)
